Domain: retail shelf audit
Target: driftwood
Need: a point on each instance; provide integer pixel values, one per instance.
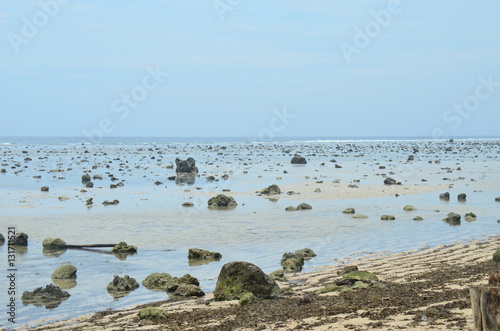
(485, 302)
(91, 246)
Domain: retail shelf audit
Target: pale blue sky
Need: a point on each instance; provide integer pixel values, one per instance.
(228, 70)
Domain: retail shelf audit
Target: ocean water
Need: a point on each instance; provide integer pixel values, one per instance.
(258, 230)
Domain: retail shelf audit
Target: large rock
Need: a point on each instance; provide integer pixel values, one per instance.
(186, 166)
(65, 272)
(271, 190)
(453, 219)
(201, 254)
(297, 159)
(238, 278)
(51, 296)
(222, 201)
(157, 281)
(122, 284)
(189, 290)
(54, 244)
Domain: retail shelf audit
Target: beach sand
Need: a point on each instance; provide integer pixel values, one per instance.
(426, 289)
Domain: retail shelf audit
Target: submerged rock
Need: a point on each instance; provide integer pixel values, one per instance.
(187, 204)
(122, 284)
(418, 218)
(470, 217)
(444, 196)
(290, 208)
(304, 206)
(186, 166)
(297, 159)
(20, 239)
(271, 190)
(462, 197)
(123, 248)
(453, 219)
(85, 178)
(360, 216)
(107, 203)
(222, 201)
(65, 272)
(201, 254)
(54, 244)
(51, 296)
(44, 189)
(390, 181)
(497, 199)
(409, 208)
(349, 211)
(387, 218)
(238, 278)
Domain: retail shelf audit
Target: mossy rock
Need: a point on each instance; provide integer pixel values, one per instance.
(247, 299)
(290, 208)
(152, 314)
(292, 262)
(304, 206)
(409, 208)
(122, 247)
(349, 211)
(496, 256)
(201, 254)
(189, 290)
(347, 269)
(278, 275)
(307, 253)
(271, 190)
(334, 288)
(173, 283)
(157, 281)
(65, 272)
(122, 284)
(363, 276)
(54, 244)
(238, 278)
(387, 218)
(222, 201)
(418, 218)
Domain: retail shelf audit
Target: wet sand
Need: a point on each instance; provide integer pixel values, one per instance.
(425, 289)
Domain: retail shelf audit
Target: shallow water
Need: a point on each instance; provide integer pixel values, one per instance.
(258, 230)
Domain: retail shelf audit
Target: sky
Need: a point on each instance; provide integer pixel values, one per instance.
(259, 68)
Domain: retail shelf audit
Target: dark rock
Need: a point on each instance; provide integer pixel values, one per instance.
(444, 196)
(189, 290)
(107, 203)
(290, 208)
(238, 278)
(210, 178)
(307, 253)
(2, 239)
(200, 254)
(188, 204)
(297, 159)
(278, 275)
(112, 186)
(89, 185)
(349, 211)
(496, 255)
(186, 166)
(418, 218)
(20, 239)
(51, 297)
(292, 262)
(152, 314)
(122, 284)
(54, 244)
(389, 181)
(85, 178)
(387, 218)
(347, 269)
(247, 299)
(122, 247)
(89, 202)
(304, 206)
(44, 189)
(65, 272)
(222, 201)
(497, 199)
(470, 217)
(462, 197)
(157, 281)
(271, 190)
(409, 208)
(453, 219)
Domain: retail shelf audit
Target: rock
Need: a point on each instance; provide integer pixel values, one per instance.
(462, 197)
(63, 198)
(297, 159)
(122, 284)
(65, 272)
(173, 283)
(418, 218)
(278, 275)
(238, 278)
(186, 166)
(122, 247)
(189, 290)
(292, 262)
(51, 296)
(363, 276)
(20, 239)
(347, 269)
(349, 211)
(271, 190)
(497, 199)
(44, 189)
(188, 204)
(97, 177)
(89, 202)
(222, 201)
(152, 314)
(389, 181)
(304, 206)
(387, 218)
(453, 219)
(409, 208)
(360, 216)
(444, 196)
(290, 208)
(89, 185)
(307, 253)
(247, 299)
(210, 178)
(496, 255)
(107, 203)
(200, 254)
(85, 178)
(470, 217)
(2, 239)
(334, 288)
(54, 244)
(157, 281)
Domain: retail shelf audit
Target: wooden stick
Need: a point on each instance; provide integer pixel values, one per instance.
(91, 246)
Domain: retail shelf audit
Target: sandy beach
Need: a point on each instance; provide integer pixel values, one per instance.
(424, 290)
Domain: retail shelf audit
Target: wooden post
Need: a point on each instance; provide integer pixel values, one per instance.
(485, 302)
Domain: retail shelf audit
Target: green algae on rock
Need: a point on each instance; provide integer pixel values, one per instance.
(122, 247)
(65, 272)
(152, 314)
(54, 244)
(222, 201)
